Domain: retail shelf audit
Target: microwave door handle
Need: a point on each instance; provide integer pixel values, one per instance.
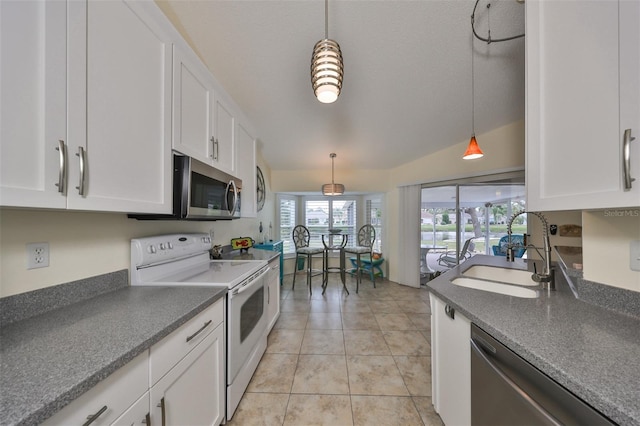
(232, 184)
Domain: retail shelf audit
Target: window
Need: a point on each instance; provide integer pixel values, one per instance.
(287, 215)
(373, 217)
(322, 214)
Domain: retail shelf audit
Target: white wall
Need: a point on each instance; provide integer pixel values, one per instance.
(606, 236)
(88, 244)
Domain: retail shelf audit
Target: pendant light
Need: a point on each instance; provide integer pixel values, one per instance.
(473, 150)
(332, 188)
(326, 65)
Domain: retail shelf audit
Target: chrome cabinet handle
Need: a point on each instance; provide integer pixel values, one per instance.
(82, 154)
(213, 146)
(206, 324)
(163, 410)
(626, 159)
(62, 174)
(93, 417)
(517, 389)
(147, 419)
(217, 146)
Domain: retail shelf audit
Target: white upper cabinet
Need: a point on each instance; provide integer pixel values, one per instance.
(192, 107)
(224, 154)
(33, 116)
(119, 106)
(247, 171)
(583, 94)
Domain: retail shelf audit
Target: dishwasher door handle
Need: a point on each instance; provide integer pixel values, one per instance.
(517, 389)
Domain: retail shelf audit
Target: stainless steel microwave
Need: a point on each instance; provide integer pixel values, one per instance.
(200, 192)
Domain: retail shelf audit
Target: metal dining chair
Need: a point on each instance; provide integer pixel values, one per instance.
(364, 245)
(301, 238)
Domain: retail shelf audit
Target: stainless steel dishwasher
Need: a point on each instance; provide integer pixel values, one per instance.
(507, 390)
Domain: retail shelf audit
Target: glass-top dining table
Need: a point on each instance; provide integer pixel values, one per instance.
(334, 242)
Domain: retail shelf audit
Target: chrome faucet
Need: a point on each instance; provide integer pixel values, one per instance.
(547, 275)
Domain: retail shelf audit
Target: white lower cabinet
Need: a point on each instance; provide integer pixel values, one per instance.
(273, 293)
(192, 392)
(187, 372)
(108, 400)
(137, 414)
(450, 363)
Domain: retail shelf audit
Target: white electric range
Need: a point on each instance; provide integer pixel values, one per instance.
(183, 259)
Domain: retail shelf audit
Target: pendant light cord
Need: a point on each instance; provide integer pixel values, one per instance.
(326, 19)
(488, 39)
(473, 93)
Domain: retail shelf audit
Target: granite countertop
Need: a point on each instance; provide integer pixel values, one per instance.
(590, 350)
(252, 254)
(50, 359)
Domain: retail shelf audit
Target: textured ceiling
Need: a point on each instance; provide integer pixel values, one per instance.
(407, 84)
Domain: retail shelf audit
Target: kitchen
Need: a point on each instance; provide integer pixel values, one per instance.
(87, 244)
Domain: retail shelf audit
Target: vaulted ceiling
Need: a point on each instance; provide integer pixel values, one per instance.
(407, 84)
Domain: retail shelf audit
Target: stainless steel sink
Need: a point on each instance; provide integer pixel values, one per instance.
(495, 287)
(503, 275)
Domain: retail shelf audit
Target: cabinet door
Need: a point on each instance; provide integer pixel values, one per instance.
(247, 171)
(33, 37)
(193, 392)
(120, 106)
(273, 294)
(136, 414)
(224, 128)
(192, 107)
(576, 101)
(451, 364)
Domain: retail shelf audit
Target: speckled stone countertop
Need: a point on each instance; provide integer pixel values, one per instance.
(50, 359)
(590, 350)
(252, 254)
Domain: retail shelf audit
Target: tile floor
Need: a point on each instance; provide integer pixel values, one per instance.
(338, 359)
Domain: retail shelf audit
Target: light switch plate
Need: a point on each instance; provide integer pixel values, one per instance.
(634, 255)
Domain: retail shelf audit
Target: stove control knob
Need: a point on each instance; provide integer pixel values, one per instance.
(162, 247)
(151, 249)
(170, 245)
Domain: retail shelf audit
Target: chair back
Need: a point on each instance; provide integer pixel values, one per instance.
(366, 236)
(517, 241)
(465, 249)
(301, 236)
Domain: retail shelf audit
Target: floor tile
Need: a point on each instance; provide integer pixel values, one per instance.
(292, 321)
(384, 410)
(321, 374)
(365, 342)
(257, 409)
(295, 305)
(385, 307)
(421, 321)
(329, 410)
(395, 322)
(416, 373)
(355, 305)
(427, 412)
(359, 321)
(283, 341)
(274, 374)
(324, 321)
(330, 305)
(407, 342)
(323, 342)
(415, 306)
(374, 375)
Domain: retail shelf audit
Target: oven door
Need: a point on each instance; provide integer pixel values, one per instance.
(247, 315)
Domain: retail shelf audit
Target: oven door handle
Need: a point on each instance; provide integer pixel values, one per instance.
(252, 283)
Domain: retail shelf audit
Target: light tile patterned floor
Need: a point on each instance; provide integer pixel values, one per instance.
(338, 359)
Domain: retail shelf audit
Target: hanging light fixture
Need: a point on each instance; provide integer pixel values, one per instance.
(473, 150)
(326, 65)
(332, 188)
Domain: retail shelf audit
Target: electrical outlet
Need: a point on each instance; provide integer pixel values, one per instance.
(37, 255)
